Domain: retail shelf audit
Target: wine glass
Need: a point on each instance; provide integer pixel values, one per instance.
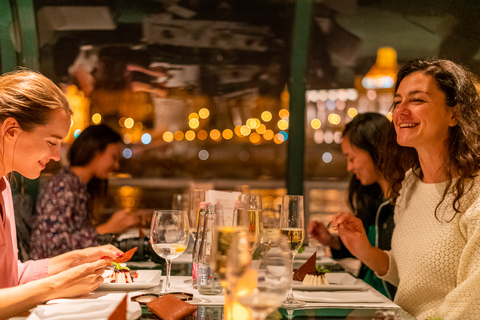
(293, 227)
(250, 216)
(273, 280)
(230, 256)
(169, 237)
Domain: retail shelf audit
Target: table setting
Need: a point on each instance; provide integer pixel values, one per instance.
(245, 271)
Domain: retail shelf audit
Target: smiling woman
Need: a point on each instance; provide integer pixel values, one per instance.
(34, 118)
(431, 159)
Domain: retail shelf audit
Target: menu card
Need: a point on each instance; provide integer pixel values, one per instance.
(225, 202)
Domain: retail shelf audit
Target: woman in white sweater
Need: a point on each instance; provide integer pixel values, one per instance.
(432, 161)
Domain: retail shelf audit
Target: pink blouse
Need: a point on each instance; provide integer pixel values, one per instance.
(12, 271)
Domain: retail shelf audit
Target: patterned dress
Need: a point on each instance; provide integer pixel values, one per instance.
(61, 222)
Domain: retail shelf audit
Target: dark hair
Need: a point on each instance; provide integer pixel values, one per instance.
(462, 144)
(93, 140)
(364, 132)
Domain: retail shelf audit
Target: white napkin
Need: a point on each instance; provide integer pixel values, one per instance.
(337, 296)
(98, 309)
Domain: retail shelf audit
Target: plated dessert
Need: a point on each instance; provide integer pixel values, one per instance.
(121, 273)
(308, 273)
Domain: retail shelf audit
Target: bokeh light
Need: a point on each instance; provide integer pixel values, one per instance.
(266, 116)
(204, 113)
(227, 134)
(167, 136)
(146, 138)
(96, 118)
(190, 135)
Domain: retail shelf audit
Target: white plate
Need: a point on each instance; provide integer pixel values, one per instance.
(338, 281)
(146, 279)
(338, 297)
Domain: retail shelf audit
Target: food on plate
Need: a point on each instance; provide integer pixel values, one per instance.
(119, 274)
(316, 279)
(309, 267)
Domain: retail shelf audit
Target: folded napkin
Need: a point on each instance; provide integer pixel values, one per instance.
(337, 296)
(98, 309)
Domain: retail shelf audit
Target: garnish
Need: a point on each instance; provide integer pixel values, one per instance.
(119, 266)
(322, 269)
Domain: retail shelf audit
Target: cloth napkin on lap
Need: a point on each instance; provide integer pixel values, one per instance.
(98, 309)
(337, 296)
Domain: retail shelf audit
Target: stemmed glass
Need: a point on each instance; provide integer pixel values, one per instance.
(230, 256)
(293, 227)
(169, 237)
(250, 215)
(273, 280)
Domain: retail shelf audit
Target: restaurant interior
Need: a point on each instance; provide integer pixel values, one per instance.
(237, 95)
(220, 109)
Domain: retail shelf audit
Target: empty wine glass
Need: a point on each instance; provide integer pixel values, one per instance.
(169, 237)
(273, 280)
(293, 227)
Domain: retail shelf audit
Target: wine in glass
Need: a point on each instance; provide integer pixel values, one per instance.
(169, 237)
(273, 280)
(293, 227)
(250, 216)
(231, 261)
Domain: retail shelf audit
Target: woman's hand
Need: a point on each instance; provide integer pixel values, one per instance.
(74, 258)
(353, 235)
(77, 281)
(319, 232)
(351, 231)
(120, 222)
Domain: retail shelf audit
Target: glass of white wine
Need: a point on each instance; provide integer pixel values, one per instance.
(273, 280)
(250, 216)
(169, 237)
(292, 225)
(226, 237)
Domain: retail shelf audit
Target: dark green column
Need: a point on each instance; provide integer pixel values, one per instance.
(298, 67)
(8, 56)
(28, 31)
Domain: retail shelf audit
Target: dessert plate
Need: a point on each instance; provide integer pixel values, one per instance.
(146, 279)
(338, 281)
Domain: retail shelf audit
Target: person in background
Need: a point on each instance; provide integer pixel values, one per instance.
(368, 194)
(70, 200)
(433, 163)
(35, 116)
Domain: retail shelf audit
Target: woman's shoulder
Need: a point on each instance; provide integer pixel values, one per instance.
(65, 179)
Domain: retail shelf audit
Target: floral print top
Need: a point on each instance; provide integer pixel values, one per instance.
(61, 221)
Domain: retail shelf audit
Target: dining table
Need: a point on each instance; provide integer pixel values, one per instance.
(357, 301)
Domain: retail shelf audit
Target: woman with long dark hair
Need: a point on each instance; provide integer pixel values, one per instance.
(368, 193)
(75, 195)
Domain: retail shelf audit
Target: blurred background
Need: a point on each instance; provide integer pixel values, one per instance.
(230, 94)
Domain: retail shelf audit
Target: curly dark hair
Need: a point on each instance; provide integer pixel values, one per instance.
(462, 145)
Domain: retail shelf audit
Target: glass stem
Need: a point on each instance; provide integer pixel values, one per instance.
(166, 287)
(290, 290)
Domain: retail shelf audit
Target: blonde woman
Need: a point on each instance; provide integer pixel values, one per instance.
(35, 116)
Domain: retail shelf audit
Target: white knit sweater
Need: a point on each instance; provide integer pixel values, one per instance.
(436, 264)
